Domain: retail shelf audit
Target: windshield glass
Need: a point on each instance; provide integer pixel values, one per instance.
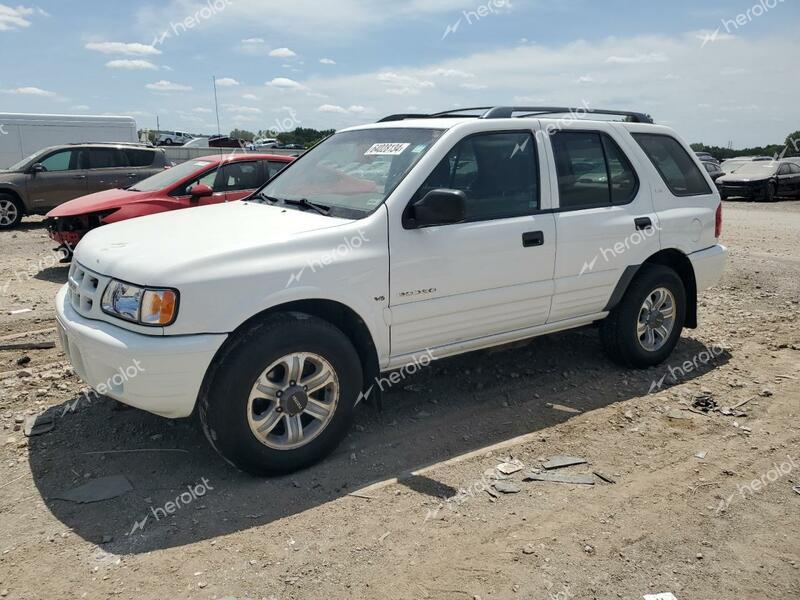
(756, 169)
(355, 171)
(167, 178)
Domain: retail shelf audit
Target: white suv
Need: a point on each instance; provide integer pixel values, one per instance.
(418, 236)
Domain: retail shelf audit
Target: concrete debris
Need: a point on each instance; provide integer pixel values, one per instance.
(701, 455)
(677, 414)
(28, 346)
(557, 462)
(506, 487)
(104, 488)
(20, 311)
(604, 477)
(704, 402)
(562, 408)
(578, 479)
(509, 467)
(662, 596)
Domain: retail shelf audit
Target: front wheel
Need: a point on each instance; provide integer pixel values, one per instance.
(644, 328)
(283, 394)
(11, 211)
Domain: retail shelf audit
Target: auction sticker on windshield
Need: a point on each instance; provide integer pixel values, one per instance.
(386, 149)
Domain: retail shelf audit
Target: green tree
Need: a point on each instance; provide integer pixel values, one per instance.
(243, 134)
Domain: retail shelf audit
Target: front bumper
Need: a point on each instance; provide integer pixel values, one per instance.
(708, 265)
(159, 374)
(742, 191)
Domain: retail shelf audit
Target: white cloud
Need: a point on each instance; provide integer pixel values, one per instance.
(638, 59)
(201, 109)
(402, 85)
(284, 83)
(80, 107)
(128, 49)
(327, 61)
(130, 64)
(451, 73)
(227, 82)
(249, 97)
(254, 40)
(167, 86)
(31, 91)
(354, 109)
(244, 110)
(473, 86)
(282, 53)
(18, 18)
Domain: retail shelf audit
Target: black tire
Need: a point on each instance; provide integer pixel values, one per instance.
(618, 330)
(7, 201)
(223, 409)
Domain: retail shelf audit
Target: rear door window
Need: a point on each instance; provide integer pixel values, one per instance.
(592, 170)
(673, 163)
(239, 176)
(139, 158)
(107, 158)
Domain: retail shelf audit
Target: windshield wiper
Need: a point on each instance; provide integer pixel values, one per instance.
(306, 203)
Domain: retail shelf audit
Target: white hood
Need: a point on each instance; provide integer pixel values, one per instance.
(157, 249)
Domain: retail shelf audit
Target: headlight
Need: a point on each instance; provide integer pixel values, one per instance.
(146, 306)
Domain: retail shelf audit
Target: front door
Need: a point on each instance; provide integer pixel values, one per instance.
(64, 177)
(492, 273)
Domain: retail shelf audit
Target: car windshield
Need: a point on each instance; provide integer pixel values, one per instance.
(168, 177)
(755, 169)
(353, 172)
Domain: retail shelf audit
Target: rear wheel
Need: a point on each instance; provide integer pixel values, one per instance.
(283, 395)
(11, 211)
(644, 328)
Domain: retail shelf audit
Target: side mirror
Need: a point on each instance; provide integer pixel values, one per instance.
(200, 190)
(437, 207)
(38, 168)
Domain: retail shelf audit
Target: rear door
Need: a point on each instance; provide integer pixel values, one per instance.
(239, 179)
(108, 169)
(140, 165)
(64, 178)
(795, 179)
(604, 218)
(786, 181)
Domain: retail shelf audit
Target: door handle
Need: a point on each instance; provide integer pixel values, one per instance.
(532, 238)
(643, 223)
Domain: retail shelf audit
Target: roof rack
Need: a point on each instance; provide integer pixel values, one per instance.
(107, 143)
(507, 112)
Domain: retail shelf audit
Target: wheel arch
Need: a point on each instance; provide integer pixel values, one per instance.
(335, 313)
(675, 260)
(15, 194)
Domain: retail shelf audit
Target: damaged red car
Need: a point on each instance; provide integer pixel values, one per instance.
(197, 182)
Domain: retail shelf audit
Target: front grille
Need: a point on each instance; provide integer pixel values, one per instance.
(86, 290)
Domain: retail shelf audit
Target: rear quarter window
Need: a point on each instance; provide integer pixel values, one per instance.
(676, 167)
(140, 158)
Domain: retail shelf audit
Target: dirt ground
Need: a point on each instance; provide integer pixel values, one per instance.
(702, 504)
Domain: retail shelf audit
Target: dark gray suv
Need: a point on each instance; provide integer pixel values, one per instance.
(55, 175)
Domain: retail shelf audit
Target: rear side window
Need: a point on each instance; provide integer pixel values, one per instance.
(676, 167)
(140, 158)
(106, 158)
(275, 167)
(592, 170)
(498, 172)
(795, 169)
(239, 176)
(784, 170)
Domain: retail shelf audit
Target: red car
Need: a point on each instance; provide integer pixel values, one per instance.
(205, 180)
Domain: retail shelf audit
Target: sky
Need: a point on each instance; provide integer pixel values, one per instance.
(718, 72)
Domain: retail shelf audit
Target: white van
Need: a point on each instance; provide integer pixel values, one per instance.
(173, 138)
(22, 135)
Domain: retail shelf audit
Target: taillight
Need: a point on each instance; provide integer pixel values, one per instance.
(718, 222)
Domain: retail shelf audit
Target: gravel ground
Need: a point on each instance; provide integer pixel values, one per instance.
(702, 504)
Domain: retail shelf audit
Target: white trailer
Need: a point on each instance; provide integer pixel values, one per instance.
(23, 134)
